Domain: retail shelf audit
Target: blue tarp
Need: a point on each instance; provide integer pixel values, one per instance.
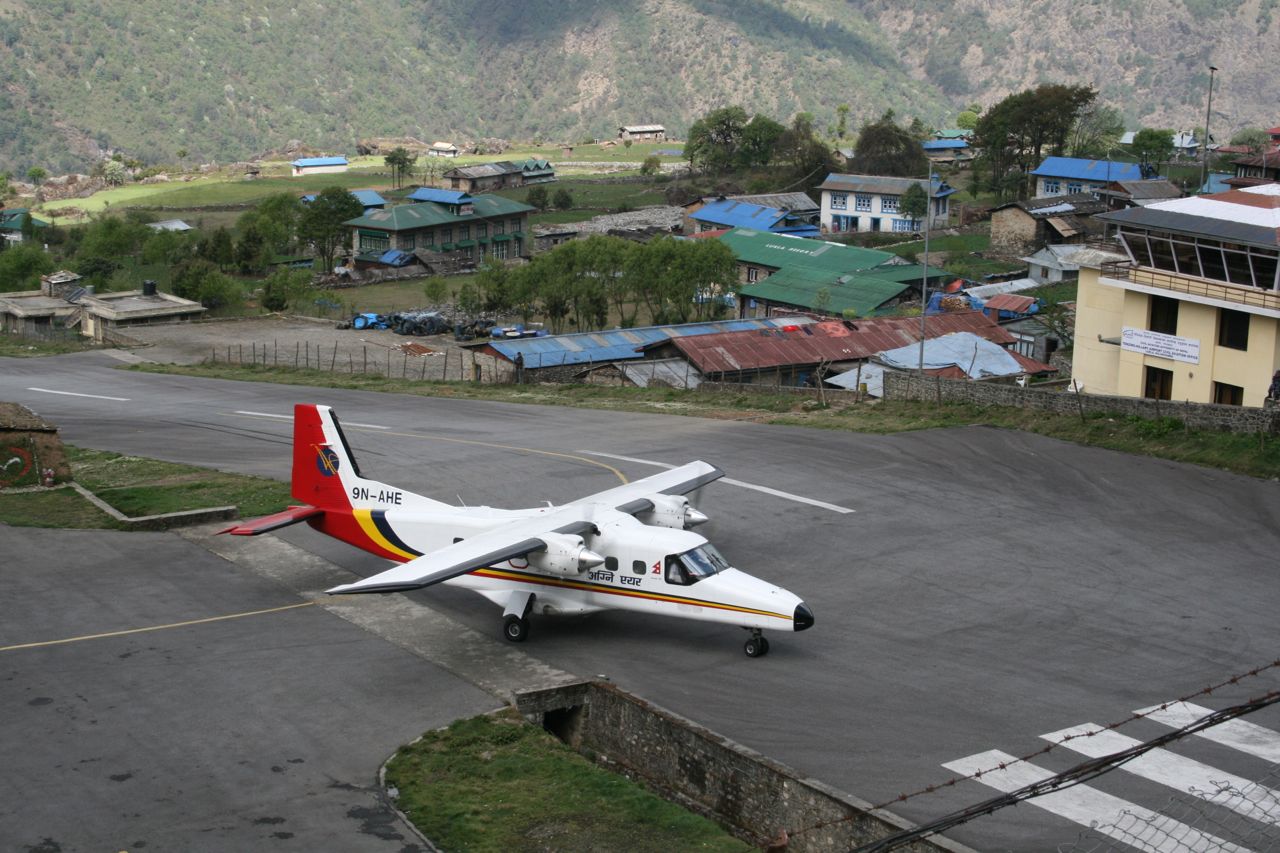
(395, 258)
(976, 356)
(935, 301)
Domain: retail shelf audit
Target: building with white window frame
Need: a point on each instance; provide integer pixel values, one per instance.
(852, 203)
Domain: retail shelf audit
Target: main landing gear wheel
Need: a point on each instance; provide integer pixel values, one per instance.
(515, 629)
(756, 647)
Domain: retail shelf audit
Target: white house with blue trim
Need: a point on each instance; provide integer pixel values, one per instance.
(1071, 175)
(318, 165)
(871, 203)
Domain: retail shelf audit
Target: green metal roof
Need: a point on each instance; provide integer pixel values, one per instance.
(794, 286)
(11, 219)
(408, 217)
(778, 251)
(908, 273)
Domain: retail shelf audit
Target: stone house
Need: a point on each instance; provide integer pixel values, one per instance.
(445, 222)
(643, 132)
(1020, 227)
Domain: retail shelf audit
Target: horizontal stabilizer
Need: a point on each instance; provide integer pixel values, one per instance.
(268, 523)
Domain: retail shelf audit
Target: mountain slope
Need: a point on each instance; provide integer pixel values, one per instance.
(225, 80)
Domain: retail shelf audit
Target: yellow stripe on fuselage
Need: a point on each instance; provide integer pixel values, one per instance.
(543, 580)
(365, 519)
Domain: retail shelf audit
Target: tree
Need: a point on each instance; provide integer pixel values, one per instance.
(562, 200)
(114, 173)
(1152, 147)
(283, 288)
(96, 271)
(1097, 130)
(758, 141)
(323, 222)
(435, 289)
(885, 148)
(651, 166)
(967, 120)
(276, 219)
(112, 237)
(914, 203)
(249, 254)
(22, 265)
(1255, 139)
(714, 139)
(37, 175)
(1015, 135)
(918, 130)
(800, 147)
(401, 163)
(181, 154)
(842, 121)
(219, 248)
(537, 197)
(493, 285)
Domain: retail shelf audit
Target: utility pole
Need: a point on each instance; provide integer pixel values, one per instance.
(1204, 147)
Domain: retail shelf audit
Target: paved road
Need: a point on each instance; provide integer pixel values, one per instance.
(990, 587)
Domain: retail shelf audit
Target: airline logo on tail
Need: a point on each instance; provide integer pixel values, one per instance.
(326, 460)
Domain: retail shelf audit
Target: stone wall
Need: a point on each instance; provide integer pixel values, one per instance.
(756, 798)
(902, 386)
(29, 446)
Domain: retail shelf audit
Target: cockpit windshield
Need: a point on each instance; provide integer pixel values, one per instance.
(692, 566)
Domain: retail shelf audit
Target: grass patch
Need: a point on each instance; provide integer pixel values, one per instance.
(1165, 439)
(16, 346)
(497, 783)
(136, 487)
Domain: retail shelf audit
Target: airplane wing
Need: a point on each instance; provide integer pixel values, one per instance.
(632, 498)
(267, 523)
(513, 539)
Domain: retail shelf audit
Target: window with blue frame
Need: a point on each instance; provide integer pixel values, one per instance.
(1051, 186)
(888, 204)
(862, 202)
(906, 225)
(839, 201)
(1074, 187)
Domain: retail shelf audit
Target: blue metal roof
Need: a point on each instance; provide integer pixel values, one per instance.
(441, 196)
(944, 144)
(369, 198)
(617, 344)
(740, 214)
(1077, 168)
(320, 161)
(395, 258)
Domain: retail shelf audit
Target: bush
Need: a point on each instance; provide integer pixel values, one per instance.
(536, 197)
(651, 165)
(562, 200)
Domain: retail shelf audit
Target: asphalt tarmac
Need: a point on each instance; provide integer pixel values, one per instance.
(988, 588)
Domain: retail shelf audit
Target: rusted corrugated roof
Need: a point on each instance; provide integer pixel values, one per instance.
(1011, 302)
(836, 340)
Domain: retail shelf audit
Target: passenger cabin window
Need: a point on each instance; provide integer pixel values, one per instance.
(611, 563)
(639, 567)
(692, 566)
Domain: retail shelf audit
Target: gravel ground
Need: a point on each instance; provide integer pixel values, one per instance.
(282, 340)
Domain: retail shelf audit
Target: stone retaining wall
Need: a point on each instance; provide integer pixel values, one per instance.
(902, 386)
(755, 797)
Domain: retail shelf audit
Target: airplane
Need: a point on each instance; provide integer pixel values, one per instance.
(626, 548)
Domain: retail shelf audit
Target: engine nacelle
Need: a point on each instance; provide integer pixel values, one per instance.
(671, 511)
(565, 554)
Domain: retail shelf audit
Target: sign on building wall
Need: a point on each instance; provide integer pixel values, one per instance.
(1161, 345)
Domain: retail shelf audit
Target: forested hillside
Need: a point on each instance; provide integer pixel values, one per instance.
(224, 80)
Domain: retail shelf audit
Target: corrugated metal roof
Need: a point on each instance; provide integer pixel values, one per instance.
(618, 344)
(1011, 302)
(303, 162)
(976, 357)
(642, 128)
(662, 372)
(833, 340)
(740, 214)
(937, 187)
(806, 288)
(1077, 168)
(945, 145)
(405, 217)
(441, 196)
(369, 198)
(484, 170)
(781, 250)
(795, 202)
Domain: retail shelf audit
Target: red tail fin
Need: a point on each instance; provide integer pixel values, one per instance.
(320, 453)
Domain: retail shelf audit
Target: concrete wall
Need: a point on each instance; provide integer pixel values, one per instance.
(902, 386)
(756, 798)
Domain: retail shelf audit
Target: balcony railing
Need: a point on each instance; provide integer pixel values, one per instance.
(1240, 294)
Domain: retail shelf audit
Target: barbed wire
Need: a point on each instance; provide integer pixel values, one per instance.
(955, 780)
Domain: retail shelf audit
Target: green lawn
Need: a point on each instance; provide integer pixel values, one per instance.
(496, 783)
(17, 346)
(380, 298)
(600, 194)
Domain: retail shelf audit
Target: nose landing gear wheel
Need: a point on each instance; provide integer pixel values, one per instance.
(756, 647)
(515, 629)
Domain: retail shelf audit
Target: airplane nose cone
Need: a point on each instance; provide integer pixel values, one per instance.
(803, 617)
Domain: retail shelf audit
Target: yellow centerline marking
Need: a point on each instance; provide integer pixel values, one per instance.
(125, 632)
(428, 437)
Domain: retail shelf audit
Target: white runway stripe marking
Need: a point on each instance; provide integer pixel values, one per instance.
(1176, 771)
(1105, 814)
(290, 417)
(739, 483)
(74, 394)
(1237, 734)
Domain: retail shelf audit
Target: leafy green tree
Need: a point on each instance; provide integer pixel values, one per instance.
(1097, 130)
(537, 197)
(284, 287)
(181, 154)
(1152, 146)
(842, 121)
(1255, 139)
(1015, 135)
(918, 130)
(651, 165)
(167, 247)
(37, 175)
(322, 223)
(249, 250)
(219, 248)
(22, 265)
(469, 299)
(885, 148)
(758, 141)
(800, 147)
(607, 258)
(276, 219)
(714, 139)
(967, 120)
(401, 163)
(435, 289)
(112, 237)
(113, 172)
(492, 280)
(562, 200)
(96, 271)
(914, 202)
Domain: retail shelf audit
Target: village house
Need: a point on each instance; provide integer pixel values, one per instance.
(1193, 311)
(500, 175)
(643, 132)
(318, 165)
(1250, 171)
(797, 203)
(1122, 194)
(369, 199)
(63, 303)
(444, 221)
(15, 220)
(1074, 175)
(1019, 227)
(782, 274)
(443, 149)
(870, 203)
(729, 213)
(948, 152)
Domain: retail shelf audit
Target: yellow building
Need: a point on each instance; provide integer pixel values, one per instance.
(1194, 312)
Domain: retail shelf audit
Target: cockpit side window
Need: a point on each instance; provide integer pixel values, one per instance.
(692, 566)
(676, 572)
